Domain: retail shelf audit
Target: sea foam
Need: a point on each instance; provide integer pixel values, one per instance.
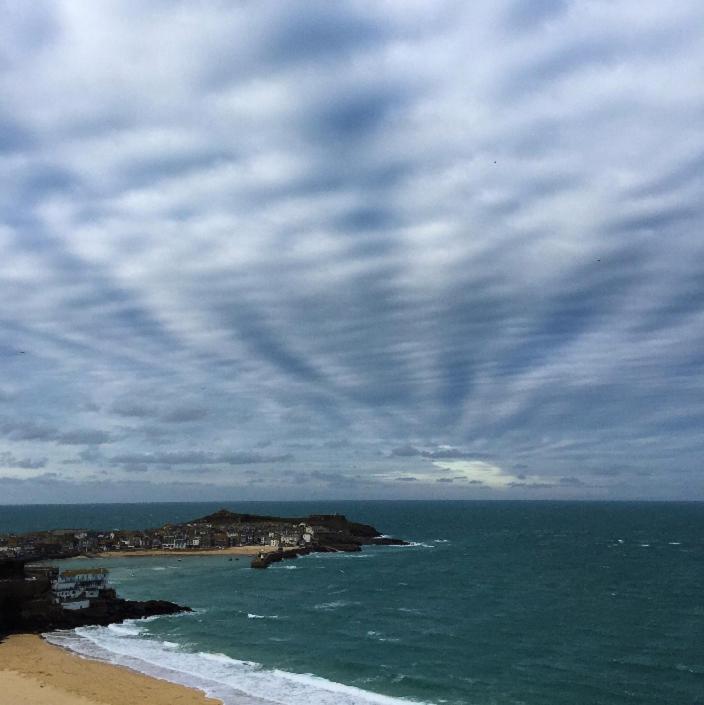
(233, 681)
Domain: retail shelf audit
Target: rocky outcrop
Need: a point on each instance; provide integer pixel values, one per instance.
(27, 605)
(99, 613)
(333, 524)
(387, 541)
(331, 543)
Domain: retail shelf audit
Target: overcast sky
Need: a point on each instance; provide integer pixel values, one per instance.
(351, 249)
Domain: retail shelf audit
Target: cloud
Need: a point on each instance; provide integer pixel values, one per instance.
(489, 475)
(5, 395)
(132, 410)
(43, 432)
(310, 226)
(141, 461)
(27, 431)
(184, 415)
(91, 437)
(406, 451)
(438, 452)
(9, 460)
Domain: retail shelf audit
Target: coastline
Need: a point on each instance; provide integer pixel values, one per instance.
(240, 551)
(33, 672)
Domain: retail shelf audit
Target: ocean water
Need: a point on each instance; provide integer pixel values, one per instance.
(495, 603)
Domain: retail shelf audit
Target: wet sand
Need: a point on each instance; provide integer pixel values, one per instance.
(33, 672)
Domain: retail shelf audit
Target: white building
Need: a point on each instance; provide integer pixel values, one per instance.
(74, 589)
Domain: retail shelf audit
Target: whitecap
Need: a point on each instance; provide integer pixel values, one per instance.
(336, 604)
(416, 544)
(127, 628)
(262, 616)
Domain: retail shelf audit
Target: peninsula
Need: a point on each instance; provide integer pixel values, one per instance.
(37, 597)
(267, 538)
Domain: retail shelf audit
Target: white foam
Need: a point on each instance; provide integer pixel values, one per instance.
(127, 628)
(340, 555)
(232, 681)
(415, 544)
(262, 616)
(334, 605)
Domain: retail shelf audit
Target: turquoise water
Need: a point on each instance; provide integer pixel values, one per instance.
(496, 603)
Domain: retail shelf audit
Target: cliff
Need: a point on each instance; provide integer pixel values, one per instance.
(27, 605)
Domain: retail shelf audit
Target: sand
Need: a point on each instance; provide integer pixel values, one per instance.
(33, 672)
(184, 553)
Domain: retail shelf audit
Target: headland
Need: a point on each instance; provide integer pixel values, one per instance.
(37, 597)
(221, 533)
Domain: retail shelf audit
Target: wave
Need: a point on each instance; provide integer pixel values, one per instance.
(334, 605)
(416, 544)
(128, 628)
(340, 555)
(380, 637)
(262, 616)
(232, 681)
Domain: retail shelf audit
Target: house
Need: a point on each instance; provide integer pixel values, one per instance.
(169, 542)
(220, 539)
(75, 589)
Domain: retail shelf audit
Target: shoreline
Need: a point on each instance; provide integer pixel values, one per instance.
(238, 551)
(34, 672)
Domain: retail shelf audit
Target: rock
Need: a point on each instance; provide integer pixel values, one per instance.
(100, 613)
(27, 605)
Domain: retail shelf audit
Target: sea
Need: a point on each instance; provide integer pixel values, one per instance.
(492, 603)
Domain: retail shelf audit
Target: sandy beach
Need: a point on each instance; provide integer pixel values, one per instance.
(33, 672)
(182, 553)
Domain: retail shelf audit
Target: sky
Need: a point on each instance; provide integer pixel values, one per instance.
(388, 249)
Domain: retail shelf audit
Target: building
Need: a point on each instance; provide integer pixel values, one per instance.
(75, 589)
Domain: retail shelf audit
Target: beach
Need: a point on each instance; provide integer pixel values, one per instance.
(181, 553)
(33, 672)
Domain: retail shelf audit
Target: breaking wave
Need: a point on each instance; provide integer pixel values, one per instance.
(233, 681)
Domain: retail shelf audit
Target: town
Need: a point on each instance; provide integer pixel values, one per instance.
(37, 596)
(221, 530)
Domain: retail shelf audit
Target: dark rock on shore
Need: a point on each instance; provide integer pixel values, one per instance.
(99, 614)
(388, 541)
(332, 543)
(27, 604)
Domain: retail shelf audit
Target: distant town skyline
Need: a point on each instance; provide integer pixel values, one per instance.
(402, 249)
